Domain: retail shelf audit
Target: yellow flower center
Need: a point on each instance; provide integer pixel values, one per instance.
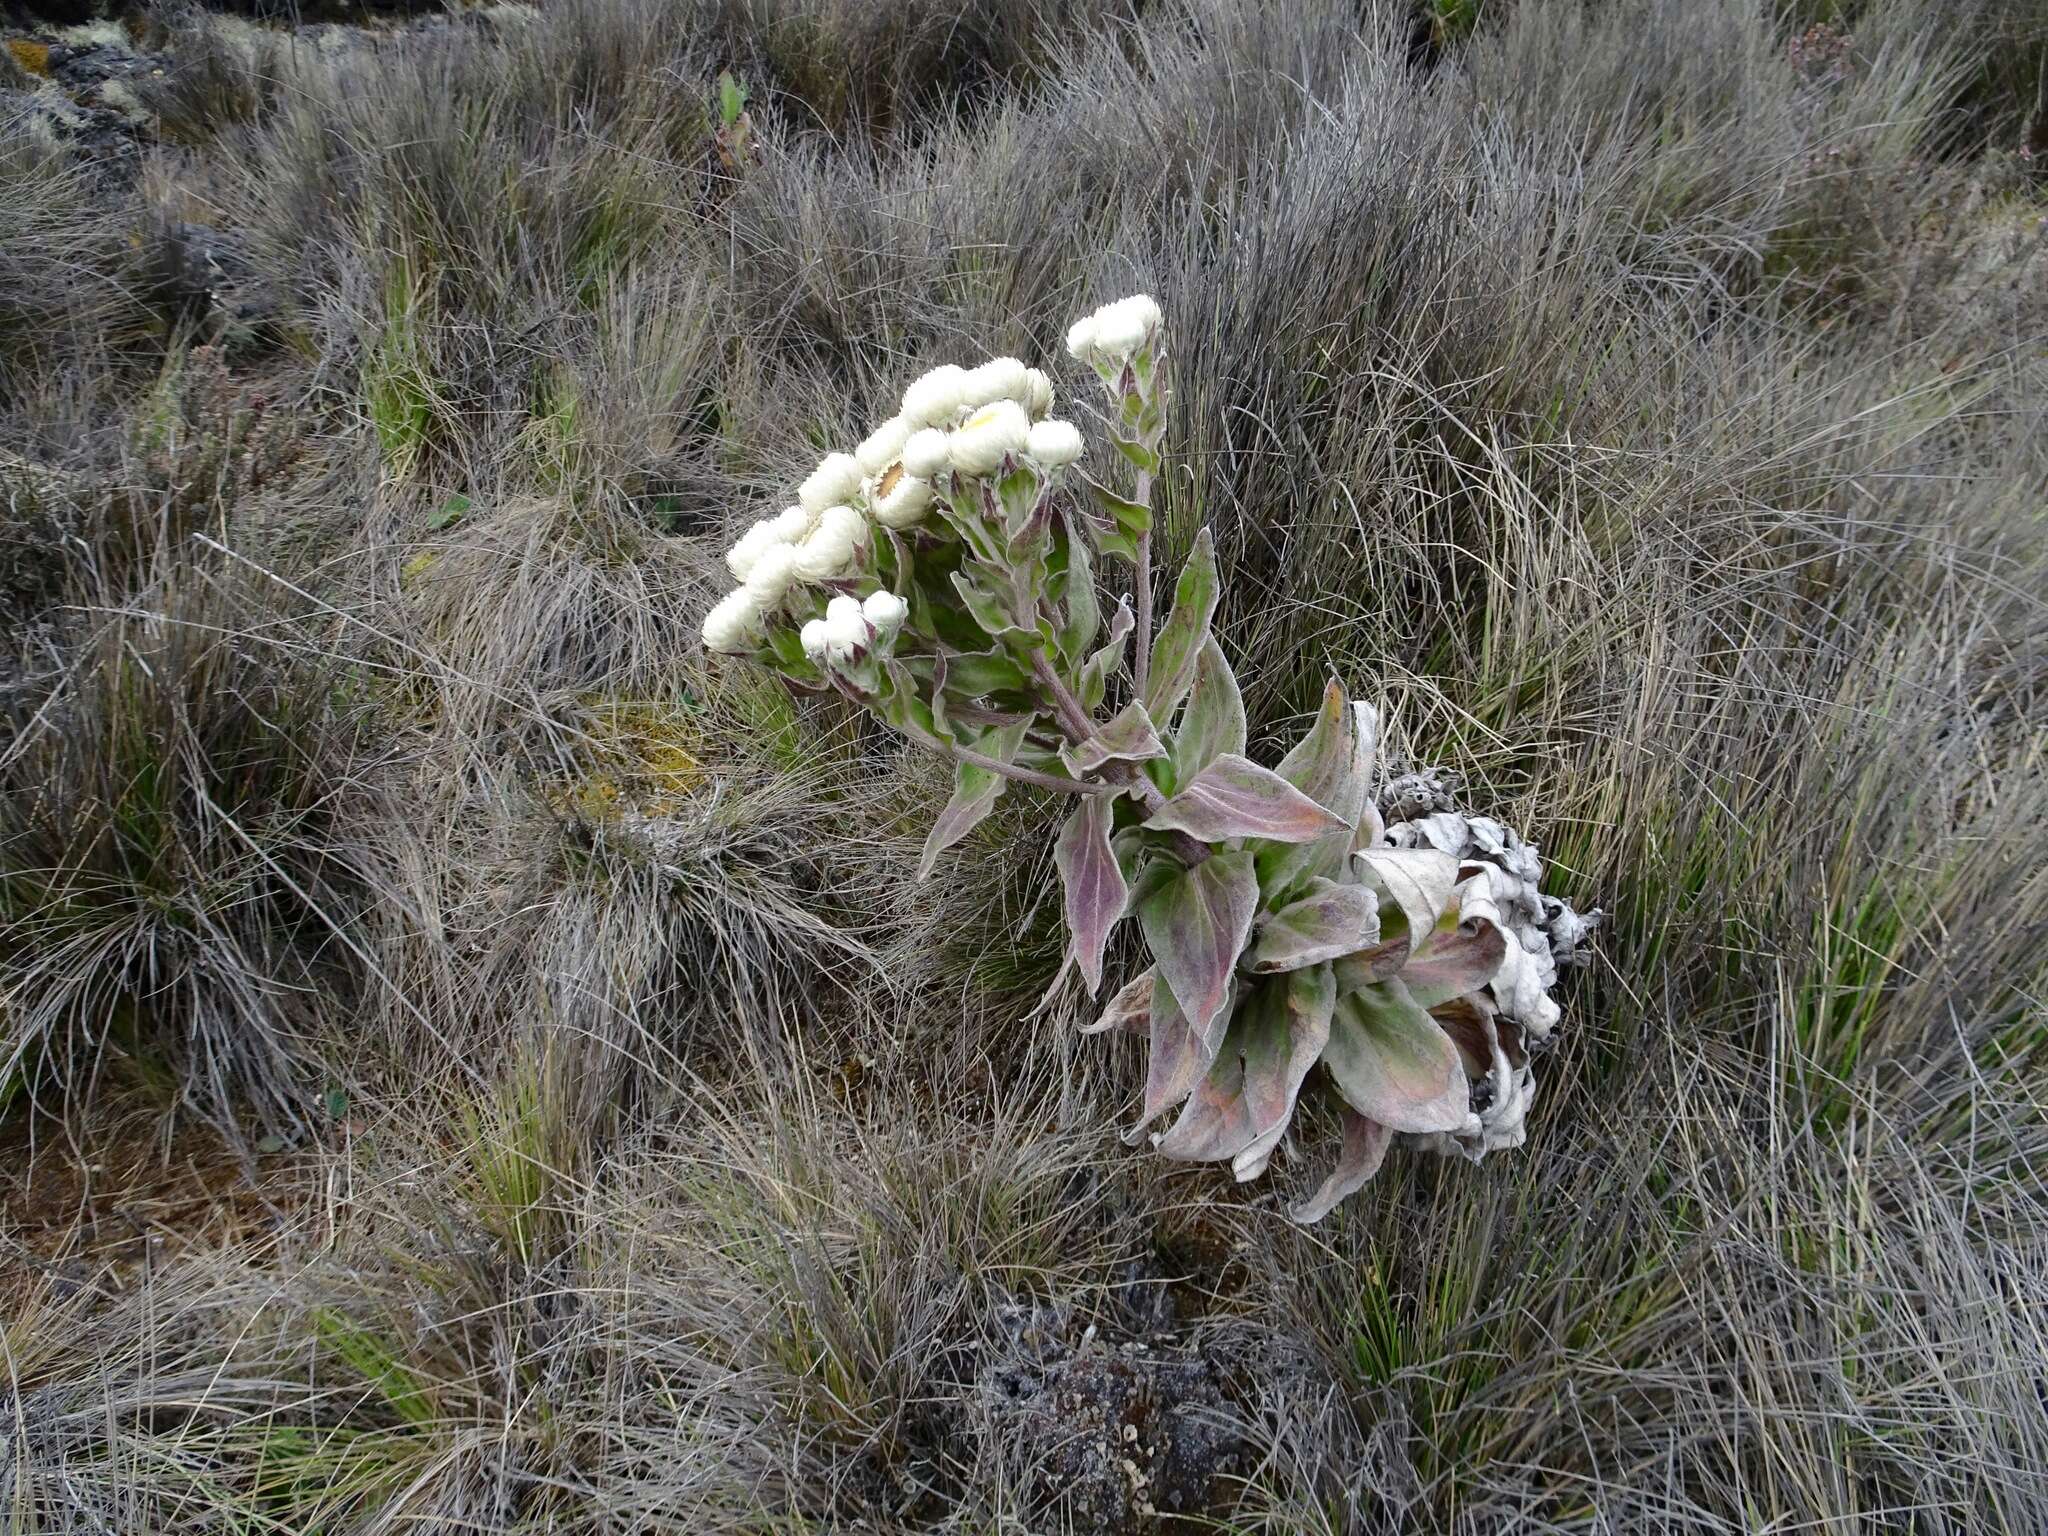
(983, 417)
(891, 478)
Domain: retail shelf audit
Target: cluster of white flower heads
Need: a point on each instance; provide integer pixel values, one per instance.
(964, 421)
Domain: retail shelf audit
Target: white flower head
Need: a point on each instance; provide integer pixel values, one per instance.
(886, 612)
(835, 480)
(1001, 378)
(815, 637)
(791, 525)
(1054, 443)
(833, 548)
(1037, 396)
(1116, 332)
(846, 629)
(750, 546)
(1081, 339)
(935, 398)
(992, 433)
(733, 624)
(772, 576)
(883, 446)
(900, 499)
(926, 455)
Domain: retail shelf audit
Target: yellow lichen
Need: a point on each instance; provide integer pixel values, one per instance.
(646, 760)
(33, 57)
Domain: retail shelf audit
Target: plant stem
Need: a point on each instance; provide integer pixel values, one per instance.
(1141, 589)
(1073, 718)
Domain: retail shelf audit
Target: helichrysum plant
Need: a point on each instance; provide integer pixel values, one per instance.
(944, 574)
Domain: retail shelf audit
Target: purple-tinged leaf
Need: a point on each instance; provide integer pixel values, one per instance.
(1419, 881)
(1462, 953)
(1130, 1011)
(1126, 737)
(1241, 1109)
(1108, 659)
(1329, 921)
(1196, 921)
(1394, 1064)
(1379, 959)
(975, 792)
(1212, 723)
(1365, 1148)
(1094, 884)
(1332, 765)
(1180, 640)
(1178, 1059)
(1234, 797)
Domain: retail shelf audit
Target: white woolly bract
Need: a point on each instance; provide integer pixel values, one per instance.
(1054, 443)
(772, 576)
(981, 442)
(750, 546)
(1001, 378)
(926, 455)
(733, 624)
(883, 446)
(905, 501)
(935, 398)
(835, 479)
(834, 545)
(886, 611)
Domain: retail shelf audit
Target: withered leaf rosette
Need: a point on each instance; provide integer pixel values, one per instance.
(943, 575)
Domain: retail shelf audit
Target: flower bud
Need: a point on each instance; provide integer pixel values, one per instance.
(1002, 378)
(733, 624)
(835, 480)
(772, 576)
(900, 499)
(750, 546)
(886, 612)
(1037, 395)
(883, 446)
(792, 525)
(834, 545)
(935, 398)
(814, 636)
(1115, 332)
(1054, 443)
(984, 439)
(926, 455)
(846, 629)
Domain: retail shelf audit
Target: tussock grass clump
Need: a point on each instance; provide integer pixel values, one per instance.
(177, 887)
(1642, 413)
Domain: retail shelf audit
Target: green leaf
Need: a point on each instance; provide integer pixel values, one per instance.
(1108, 660)
(994, 620)
(1241, 1108)
(1083, 610)
(451, 512)
(1196, 922)
(1332, 765)
(1365, 1148)
(1393, 1063)
(1330, 921)
(1139, 455)
(1212, 723)
(977, 674)
(1127, 737)
(1129, 520)
(1179, 646)
(1235, 797)
(975, 792)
